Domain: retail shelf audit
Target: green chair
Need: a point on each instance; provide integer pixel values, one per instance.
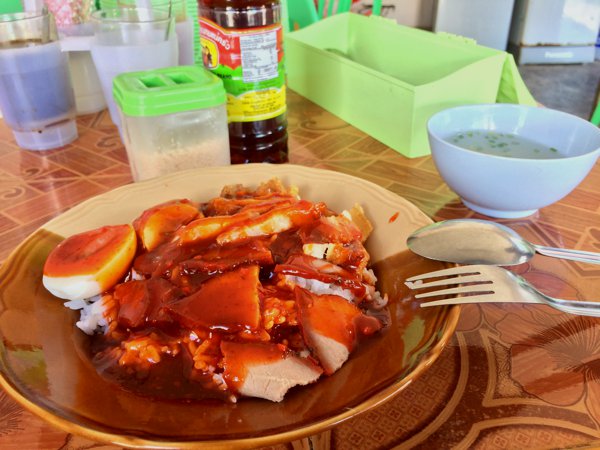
(304, 12)
(595, 118)
(10, 6)
(338, 6)
(301, 13)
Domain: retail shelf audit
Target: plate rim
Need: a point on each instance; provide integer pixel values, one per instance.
(133, 441)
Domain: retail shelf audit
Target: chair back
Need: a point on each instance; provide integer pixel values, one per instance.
(11, 6)
(595, 117)
(301, 13)
(304, 12)
(333, 7)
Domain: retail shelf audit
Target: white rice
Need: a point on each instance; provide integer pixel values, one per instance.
(136, 276)
(319, 288)
(91, 317)
(369, 276)
(377, 300)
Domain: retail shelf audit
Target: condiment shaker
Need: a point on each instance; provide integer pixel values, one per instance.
(173, 118)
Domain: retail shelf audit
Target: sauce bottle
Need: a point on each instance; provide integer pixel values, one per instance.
(242, 43)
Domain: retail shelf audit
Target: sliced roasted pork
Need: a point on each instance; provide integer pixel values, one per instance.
(357, 215)
(331, 326)
(208, 228)
(141, 302)
(220, 259)
(220, 206)
(265, 370)
(336, 239)
(307, 267)
(275, 221)
(338, 229)
(228, 302)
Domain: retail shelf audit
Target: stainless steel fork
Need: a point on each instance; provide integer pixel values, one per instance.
(489, 284)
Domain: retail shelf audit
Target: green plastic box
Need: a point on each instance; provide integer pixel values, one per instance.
(387, 80)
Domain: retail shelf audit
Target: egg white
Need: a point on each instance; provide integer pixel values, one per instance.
(75, 287)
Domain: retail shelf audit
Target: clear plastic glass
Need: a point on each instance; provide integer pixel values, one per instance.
(129, 40)
(184, 27)
(36, 94)
(74, 40)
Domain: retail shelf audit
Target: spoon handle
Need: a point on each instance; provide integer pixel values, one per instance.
(574, 255)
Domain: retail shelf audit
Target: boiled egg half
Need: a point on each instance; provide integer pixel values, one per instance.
(89, 263)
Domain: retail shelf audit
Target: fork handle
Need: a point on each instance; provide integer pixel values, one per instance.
(573, 255)
(475, 299)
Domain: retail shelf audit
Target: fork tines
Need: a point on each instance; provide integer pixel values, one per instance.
(472, 282)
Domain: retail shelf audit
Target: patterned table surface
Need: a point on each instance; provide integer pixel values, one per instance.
(513, 376)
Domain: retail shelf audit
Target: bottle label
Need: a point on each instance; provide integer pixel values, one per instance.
(250, 63)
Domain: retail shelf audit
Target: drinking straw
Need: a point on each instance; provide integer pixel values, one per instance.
(147, 4)
(32, 5)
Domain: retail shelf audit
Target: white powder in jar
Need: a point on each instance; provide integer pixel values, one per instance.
(211, 152)
(157, 145)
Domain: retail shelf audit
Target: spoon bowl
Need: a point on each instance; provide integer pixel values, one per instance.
(473, 241)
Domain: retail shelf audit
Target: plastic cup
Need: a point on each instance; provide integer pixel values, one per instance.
(184, 25)
(36, 95)
(75, 41)
(130, 40)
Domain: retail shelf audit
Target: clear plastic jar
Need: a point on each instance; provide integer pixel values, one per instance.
(173, 119)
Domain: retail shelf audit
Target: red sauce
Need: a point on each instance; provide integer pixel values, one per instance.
(334, 317)
(285, 245)
(142, 302)
(205, 310)
(88, 252)
(228, 302)
(393, 218)
(330, 316)
(207, 228)
(341, 231)
(157, 224)
(173, 378)
(220, 259)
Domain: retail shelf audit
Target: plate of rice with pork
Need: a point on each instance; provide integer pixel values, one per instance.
(233, 307)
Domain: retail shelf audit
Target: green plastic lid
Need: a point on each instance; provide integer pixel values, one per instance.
(167, 91)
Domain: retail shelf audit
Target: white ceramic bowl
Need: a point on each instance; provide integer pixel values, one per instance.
(511, 187)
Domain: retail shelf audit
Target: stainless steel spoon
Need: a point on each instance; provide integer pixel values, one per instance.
(472, 241)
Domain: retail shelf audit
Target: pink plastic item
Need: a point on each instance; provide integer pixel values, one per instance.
(69, 12)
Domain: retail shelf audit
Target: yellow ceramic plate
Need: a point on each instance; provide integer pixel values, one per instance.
(44, 363)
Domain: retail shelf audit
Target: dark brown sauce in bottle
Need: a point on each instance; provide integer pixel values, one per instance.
(264, 139)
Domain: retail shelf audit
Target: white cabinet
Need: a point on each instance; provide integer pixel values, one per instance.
(555, 31)
(488, 22)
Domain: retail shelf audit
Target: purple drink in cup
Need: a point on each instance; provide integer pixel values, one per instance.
(36, 96)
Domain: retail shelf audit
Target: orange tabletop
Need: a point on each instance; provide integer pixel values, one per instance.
(513, 376)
